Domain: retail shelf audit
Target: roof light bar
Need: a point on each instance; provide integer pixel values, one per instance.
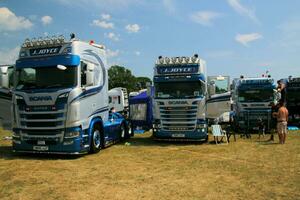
(47, 41)
(177, 60)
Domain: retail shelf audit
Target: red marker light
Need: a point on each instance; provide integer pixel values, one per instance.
(91, 42)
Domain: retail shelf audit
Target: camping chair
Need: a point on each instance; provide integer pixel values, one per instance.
(218, 132)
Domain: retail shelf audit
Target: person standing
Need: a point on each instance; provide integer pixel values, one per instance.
(281, 89)
(273, 123)
(282, 119)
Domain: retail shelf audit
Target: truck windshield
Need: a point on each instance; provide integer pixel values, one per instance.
(45, 78)
(259, 95)
(179, 89)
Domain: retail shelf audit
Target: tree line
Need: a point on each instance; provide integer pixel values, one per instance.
(119, 76)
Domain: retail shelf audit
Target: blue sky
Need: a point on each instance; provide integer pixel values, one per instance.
(234, 36)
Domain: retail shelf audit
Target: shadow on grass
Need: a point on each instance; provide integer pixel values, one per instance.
(267, 142)
(7, 153)
(145, 140)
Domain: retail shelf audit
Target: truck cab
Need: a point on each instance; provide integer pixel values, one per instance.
(219, 101)
(179, 108)
(6, 86)
(118, 99)
(293, 100)
(252, 101)
(60, 98)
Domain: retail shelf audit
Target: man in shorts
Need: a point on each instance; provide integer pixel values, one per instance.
(282, 119)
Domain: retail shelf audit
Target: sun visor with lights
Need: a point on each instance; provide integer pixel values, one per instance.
(257, 81)
(44, 47)
(44, 42)
(177, 60)
(178, 65)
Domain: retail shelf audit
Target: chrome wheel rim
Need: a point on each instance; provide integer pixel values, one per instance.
(122, 132)
(96, 139)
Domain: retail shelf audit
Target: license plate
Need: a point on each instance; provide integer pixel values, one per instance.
(178, 135)
(41, 142)
(40, 148)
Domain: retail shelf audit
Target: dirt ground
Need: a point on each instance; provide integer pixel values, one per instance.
(145, 169)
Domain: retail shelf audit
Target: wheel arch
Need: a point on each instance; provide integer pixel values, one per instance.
(96, 121)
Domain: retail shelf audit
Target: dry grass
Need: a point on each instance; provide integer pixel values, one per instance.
(246, 169)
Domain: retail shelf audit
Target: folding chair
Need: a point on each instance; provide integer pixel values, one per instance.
(218, 132)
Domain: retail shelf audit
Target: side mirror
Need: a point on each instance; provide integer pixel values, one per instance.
(4, 78)
(90, 74)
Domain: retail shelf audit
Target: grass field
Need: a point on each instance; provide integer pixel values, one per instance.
(246, 169)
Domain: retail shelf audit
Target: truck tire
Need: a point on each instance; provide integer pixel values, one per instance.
(122, 133)
(96, 139)
(127, 134)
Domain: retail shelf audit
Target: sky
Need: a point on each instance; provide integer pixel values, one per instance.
(234, 37)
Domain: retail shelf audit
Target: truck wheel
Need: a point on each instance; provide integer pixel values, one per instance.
(96, 140)
(122, 133)
(127, 135)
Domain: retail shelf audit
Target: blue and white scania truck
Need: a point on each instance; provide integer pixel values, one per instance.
(60, 98)
(179, 102)
(252, 101)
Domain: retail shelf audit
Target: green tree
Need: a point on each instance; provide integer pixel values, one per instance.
(141, 82)
(121, 77)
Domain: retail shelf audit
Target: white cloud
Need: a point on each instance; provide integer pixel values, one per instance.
(112, 36)
(138, 53)
(242, 10)
(9, 56)
(103, 24)
(46, 20)
(244, 39)
(133, 28)
(111, 53)
(105, 16)
(10, 22)
(204, 18)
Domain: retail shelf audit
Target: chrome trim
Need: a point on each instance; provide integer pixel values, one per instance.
(42, 120)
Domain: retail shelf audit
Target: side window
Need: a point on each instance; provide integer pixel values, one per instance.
(109, 99)
(119, 100)
(87, 74)
(83, 66)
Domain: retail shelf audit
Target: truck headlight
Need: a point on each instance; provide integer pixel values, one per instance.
(72, 134)
(18, 97)
(201, 126)
(64, 95)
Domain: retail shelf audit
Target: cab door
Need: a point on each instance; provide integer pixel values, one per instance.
(6, 84)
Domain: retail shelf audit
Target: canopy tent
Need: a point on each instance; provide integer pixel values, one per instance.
(140, 110)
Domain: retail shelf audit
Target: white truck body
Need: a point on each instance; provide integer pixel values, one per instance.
(60, 98)
(118, 98)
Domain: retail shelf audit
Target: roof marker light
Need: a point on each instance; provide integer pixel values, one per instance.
(167, 60)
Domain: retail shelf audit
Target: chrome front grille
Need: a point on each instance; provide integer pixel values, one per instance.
(47, 118)
(179, 118)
